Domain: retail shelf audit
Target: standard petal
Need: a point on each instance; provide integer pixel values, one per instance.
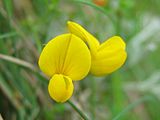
(53, 55)
(79, 31)
(66, 54)
(111, 56)
(60, 88)
(78, 59)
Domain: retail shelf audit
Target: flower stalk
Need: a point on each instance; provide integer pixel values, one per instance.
(77, 110)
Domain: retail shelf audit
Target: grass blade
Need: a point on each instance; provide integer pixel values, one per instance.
(9, 7)
(131, 106)
(18, 61)
(92, 5)
(102, 10)
(7, 35)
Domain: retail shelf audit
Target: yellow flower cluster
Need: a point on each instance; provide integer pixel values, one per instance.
(70, 57)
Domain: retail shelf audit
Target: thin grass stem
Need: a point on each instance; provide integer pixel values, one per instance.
(131, 106)
(17, 61)
(77, 110)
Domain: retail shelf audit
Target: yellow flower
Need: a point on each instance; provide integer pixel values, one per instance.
(106, 57)
(64, 58)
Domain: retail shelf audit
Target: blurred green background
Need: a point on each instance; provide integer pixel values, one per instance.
(131, 93)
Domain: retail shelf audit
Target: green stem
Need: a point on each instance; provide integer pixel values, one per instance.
(77, 110)
(93, 97)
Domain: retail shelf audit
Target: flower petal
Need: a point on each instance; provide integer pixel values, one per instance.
(79, 31)
(111, 56)
(60, 88)
(66, 54)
